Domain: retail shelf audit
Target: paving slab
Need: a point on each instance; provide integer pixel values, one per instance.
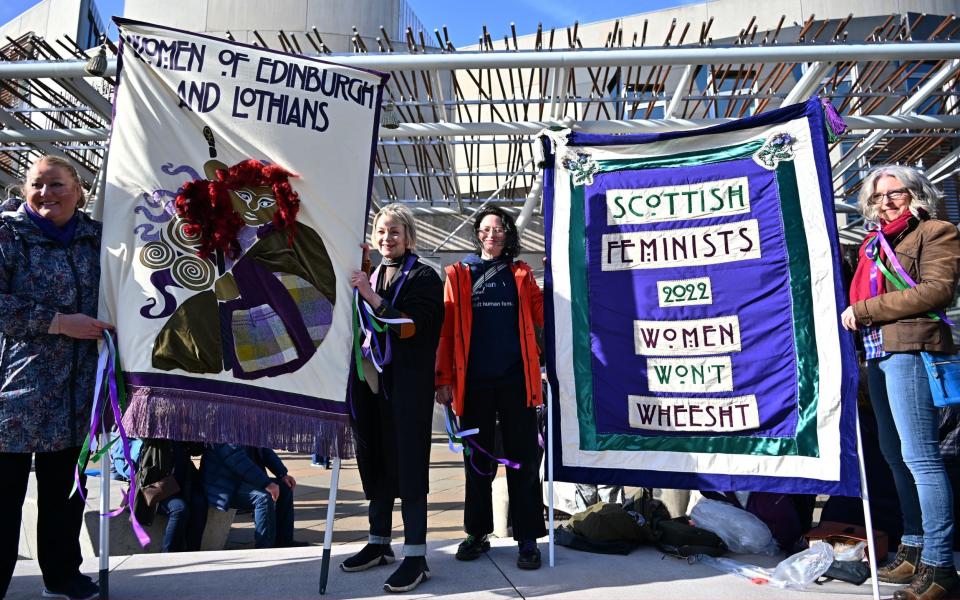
(243, 573)
(293, 574)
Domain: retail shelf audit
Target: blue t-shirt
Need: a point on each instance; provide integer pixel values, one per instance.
(495, 357)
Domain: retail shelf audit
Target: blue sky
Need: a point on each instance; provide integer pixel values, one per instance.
(463, 18)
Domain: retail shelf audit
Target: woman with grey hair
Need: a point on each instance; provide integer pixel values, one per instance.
(896, 325)
(392, 410)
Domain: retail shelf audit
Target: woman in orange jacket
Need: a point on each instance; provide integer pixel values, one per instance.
(488, 368)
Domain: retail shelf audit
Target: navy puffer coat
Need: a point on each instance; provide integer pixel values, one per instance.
(227, 467)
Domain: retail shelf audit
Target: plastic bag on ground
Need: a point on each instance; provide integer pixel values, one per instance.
(796, 572)
(805, 567)
(845, 552)
(742, 532)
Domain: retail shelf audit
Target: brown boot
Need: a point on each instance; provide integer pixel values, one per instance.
(903, 567)
(931, 583)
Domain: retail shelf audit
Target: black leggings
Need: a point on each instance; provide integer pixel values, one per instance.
(59, 516)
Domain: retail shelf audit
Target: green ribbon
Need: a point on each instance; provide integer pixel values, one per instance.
(897, 280)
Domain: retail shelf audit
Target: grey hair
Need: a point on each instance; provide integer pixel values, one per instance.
(402, 214)
(923, 194)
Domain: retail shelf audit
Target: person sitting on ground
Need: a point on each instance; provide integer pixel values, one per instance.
(235, 477)
(184, 504)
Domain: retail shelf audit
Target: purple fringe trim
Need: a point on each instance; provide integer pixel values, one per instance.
(197, 417)
(836, 126)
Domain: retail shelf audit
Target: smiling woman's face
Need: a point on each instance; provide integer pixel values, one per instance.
(891, 197)
(390, 237)
(52, 192)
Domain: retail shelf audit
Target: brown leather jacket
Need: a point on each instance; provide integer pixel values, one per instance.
(929, 251)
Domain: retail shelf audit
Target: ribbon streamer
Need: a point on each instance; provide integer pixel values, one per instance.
(469, 445)
(107, 393)
(455, 437)
(901, 279)
(367, 324)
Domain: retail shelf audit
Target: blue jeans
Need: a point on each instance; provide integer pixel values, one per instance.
(907, 423)
(185, 522)
(272, 521)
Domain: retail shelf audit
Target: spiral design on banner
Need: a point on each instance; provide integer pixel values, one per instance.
(156, 255)
(193, 273)
(175, 233)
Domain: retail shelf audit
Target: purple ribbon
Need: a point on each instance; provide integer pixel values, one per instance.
(903, 273)
(464, 437)
(503, 461)
(107, 373)
(371, 344)
(870, 252)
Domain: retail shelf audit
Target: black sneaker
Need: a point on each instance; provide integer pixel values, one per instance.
(80, 587)
(529, 557)
(472, 547)
(408, 575)
(371, 555)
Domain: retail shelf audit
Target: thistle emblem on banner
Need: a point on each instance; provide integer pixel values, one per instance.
(582, 167)
(776, 149)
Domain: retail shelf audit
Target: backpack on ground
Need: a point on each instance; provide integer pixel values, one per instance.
(677, 537)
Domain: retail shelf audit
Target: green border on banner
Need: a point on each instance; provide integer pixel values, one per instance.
(805, 443)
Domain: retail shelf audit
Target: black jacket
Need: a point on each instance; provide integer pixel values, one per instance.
(393, 428)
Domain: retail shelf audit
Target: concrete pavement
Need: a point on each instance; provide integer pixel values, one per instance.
(244, 573)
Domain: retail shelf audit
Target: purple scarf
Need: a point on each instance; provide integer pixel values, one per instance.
(61, 235)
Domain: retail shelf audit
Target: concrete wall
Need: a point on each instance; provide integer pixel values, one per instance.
(50, 19)
(334, 19)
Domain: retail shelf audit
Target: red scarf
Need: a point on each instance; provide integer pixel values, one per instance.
(860, 286)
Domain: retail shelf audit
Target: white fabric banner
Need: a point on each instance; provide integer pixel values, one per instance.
(232, 308)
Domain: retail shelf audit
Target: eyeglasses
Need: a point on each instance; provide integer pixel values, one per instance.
(895, 195)
(492, 231)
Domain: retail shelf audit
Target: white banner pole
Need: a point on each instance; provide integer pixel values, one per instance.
(104, 574)
(550, 547)
(328, 530)
(867, 518)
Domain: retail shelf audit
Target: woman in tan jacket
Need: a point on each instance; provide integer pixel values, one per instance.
(896, 325)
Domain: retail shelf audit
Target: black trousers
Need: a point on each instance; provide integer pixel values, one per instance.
(518, 427)
(59, 516)
(414, 513)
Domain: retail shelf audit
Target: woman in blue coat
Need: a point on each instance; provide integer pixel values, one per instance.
(49, 278)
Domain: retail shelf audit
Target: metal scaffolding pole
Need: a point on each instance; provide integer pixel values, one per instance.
(939, 170)
(528, 128)
(808, 83)
(567, 59)
(935, 82)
